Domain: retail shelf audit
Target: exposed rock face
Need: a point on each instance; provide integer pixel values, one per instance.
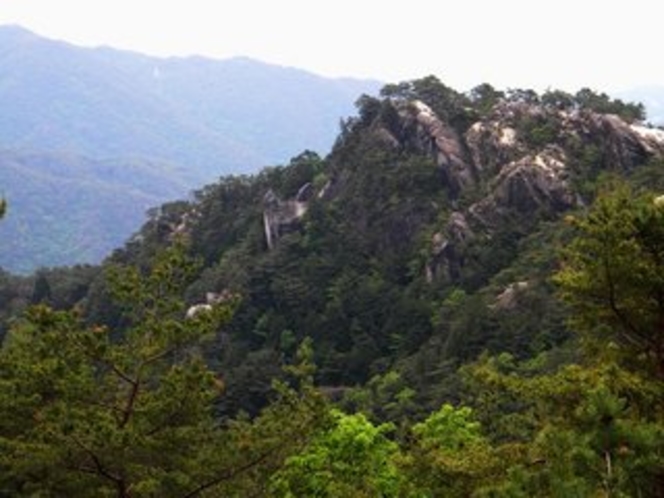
(433, 136)
(211, 299)
(515, 164)
(534, 184)
(509, 297)
(280, 217)
(623, 146)
(305, 193)
(651, 138)
(447, 248)
(491, 145)
(513, 176)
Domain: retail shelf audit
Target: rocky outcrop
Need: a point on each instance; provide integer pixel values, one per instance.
(211, 299)
(623, 146)
(280, 217)
(447, 248)
(536, 184)
(445, 145)
(533, 187)
(515, 165)
(517, 180)
(508, 299)
(420, 129)
(492, 144)
(652, 139)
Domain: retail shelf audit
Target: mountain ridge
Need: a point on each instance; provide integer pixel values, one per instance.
(185, 90)
(427, 236)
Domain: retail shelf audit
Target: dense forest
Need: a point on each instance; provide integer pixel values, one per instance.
(464, 298)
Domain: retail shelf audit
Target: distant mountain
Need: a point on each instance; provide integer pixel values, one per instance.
(208, 117)
(214, 116)
(68, 208)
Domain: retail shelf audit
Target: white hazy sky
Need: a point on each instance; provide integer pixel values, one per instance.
(539, 44)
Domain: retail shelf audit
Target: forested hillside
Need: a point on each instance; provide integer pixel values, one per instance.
(462, 299)
(68, 208)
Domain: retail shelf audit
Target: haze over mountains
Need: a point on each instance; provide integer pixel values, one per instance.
(89, 138)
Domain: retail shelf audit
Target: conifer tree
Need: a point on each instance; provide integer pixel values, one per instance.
(87, 412)
(613, 276)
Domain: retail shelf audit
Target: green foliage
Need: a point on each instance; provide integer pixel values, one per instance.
(301, 170)
(538, 130)
(484, 97)
(590, 429)
(351, 458)
(587, 165)
(649, 176)
(557, 99)
(98, 413)
(586, 98)
(613, 276)
(448, 429)
(447, 103)
(383, 397)
(86, 413)
(522, 95)
(449, 456)
(41, 293)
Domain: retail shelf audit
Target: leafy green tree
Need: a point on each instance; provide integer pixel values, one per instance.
(448, 429)
(612, 276)
(557, 99)
(485, 96)
(352, 458)
(383, 398)
(602, 103)
(538, 130)
(89, 413)
(3, 207)
(449, 455)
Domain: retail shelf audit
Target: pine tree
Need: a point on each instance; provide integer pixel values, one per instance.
(613, 276)
(87, 412)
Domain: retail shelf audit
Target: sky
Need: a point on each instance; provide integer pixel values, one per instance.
(539, 44)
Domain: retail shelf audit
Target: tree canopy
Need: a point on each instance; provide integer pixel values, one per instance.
(613, 274)
(89, 413)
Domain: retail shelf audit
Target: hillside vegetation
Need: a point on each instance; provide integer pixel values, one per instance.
(462, 299)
